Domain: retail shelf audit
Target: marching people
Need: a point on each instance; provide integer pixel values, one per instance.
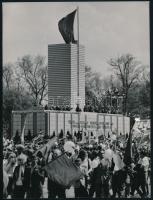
(103, 174)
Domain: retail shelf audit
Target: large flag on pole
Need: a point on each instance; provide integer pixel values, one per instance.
(65, 26)
(63, 171)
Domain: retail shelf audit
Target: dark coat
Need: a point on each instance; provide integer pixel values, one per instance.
(98, 173)
(26, 177)
(100, 180)
(37, 181)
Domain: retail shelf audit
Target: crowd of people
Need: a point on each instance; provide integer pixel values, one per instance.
(105, 171)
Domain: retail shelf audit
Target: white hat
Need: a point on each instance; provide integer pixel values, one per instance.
(56, 143)
(95, 163)
(69, 146)
(22, 157)
(58, 152)
(90, 145)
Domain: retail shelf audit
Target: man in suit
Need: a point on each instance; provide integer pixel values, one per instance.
(21, 178)
(37, 181)
(100, 179)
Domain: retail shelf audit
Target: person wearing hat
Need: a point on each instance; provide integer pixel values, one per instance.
(21, 178)
(144, 161)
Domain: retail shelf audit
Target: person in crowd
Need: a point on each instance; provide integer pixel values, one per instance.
(145, 162)
(9, 167)
(102, 176)
(118, 182)
(84, 166)
(138, 183)
(37, 181)
(100, 179)
(5, 184)
(41, 159)
(30, 156)
(79, 189)
(21, 178)
(20, 149)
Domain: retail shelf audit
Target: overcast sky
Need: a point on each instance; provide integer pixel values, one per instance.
(107, 29)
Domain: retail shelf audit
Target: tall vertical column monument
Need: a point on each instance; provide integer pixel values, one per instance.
(66, 68)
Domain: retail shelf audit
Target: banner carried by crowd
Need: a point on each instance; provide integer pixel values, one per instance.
(63, 171)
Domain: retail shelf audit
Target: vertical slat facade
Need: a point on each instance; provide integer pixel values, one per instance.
(62, 75)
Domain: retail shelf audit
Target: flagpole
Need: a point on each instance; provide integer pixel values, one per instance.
(23, 130)
(78, 59)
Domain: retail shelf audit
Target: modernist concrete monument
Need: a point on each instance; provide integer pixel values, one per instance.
(65, 83)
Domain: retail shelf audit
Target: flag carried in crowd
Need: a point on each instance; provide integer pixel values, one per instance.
(63, 171)
(45, 149)
(23, 130)
(128, 150)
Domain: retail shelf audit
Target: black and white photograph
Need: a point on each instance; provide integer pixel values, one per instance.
(76, 100)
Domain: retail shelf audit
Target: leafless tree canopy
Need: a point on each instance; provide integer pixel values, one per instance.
(7, 75)
(127, 71)
(34, 73)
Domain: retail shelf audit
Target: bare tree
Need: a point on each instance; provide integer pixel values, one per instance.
(8, 75)
(34, 73)
(127, 70)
